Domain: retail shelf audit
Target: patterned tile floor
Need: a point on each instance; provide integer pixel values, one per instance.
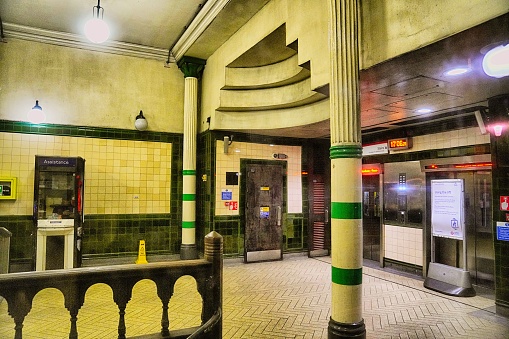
(281, 299)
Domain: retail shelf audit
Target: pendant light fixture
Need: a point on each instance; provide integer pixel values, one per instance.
(36, 115)
(96, 29)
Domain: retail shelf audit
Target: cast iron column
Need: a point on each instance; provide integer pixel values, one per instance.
(192, 69)
(346, 180)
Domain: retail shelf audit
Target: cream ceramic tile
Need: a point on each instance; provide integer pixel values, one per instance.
(105, 172)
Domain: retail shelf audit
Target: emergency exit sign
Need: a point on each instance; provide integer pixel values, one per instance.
(504, 203)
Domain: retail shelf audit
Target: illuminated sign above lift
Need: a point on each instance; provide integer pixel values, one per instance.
(457, 167)
(371, 169)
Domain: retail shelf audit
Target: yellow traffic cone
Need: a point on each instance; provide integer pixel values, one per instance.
(142, 255)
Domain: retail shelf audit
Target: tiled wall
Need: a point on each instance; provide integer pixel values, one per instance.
(122, 176)
(243, 150)
(230, 226)
(120, 234)
(133, 186)
(403, 244)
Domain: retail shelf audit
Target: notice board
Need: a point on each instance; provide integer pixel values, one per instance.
(447, 203)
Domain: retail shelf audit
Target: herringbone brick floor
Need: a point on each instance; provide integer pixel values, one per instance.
(281, 299)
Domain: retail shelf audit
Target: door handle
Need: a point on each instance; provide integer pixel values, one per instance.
(326, 218)
(278, 216)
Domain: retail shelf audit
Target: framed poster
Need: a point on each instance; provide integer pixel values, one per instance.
(447, 203)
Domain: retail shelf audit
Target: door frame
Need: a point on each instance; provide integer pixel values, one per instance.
(327, 234)
(318, 164)
(242, 199)
(381, 227)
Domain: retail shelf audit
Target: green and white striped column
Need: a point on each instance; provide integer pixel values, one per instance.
(346, 178)
(191, 68)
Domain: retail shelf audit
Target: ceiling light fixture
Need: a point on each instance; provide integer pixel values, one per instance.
(36, 115)
(424, 110)
(96, 29)
(496, 60)
(458, 71)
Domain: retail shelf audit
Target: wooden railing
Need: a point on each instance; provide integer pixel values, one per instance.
(19, 290)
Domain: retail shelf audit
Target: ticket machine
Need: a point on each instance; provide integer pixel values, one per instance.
(58, 211)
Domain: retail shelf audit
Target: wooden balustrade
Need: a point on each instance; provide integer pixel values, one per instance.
(19, 289)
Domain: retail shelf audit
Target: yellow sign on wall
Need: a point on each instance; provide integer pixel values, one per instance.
(8, 188)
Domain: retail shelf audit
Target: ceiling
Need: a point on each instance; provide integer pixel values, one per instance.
(156, 23)
(391, 92)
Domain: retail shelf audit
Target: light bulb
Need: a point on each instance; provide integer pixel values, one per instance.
(498, 130)
(140, 123)
(97, 31)
(36, 115)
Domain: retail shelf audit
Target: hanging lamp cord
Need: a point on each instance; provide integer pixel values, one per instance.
(98, 10)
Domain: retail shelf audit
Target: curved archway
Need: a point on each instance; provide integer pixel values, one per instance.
(185, 305)
(46, 301)
(99, 312)
(143, 312)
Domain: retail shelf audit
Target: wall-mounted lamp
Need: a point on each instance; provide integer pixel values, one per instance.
(227, 141)
(96, 29)
(496, 60)
(140, 123)
(36, 115)
(498, 129)
(498, 114)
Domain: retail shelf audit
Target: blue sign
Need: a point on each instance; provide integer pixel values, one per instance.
(454, 224)
(503, 231)
(264, 212)
(226, 195)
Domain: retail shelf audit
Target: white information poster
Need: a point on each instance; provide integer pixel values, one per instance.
(447, 203)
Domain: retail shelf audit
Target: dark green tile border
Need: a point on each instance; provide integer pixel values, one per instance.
(13, 218)
(127, 216)
(88, 132)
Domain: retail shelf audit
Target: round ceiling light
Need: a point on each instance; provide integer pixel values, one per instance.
(97, 31)
(496, 62)
(458, 71)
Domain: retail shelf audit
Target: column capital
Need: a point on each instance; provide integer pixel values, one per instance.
(191, 67)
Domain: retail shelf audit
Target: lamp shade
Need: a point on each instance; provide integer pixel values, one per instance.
(36, 115)
(140, 123)
(496, 62)
(97, 31)
(498, 129)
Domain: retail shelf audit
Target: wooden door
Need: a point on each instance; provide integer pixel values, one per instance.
(264, 202)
